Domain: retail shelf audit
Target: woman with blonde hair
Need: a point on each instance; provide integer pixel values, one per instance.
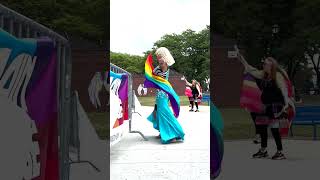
(162, 117)
(275, 99)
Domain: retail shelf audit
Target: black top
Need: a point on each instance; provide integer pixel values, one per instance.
(259, 83)
(271, 93)
(194, 90)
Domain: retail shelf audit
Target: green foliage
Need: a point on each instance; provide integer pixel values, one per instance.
(84, 18)
(190, 50)
(251, 23)
(131, 63)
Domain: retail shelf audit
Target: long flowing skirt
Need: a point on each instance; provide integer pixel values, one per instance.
(164, 120)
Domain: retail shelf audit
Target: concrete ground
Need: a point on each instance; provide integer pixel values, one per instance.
(135, 159)
(92, 149)
(302, 163)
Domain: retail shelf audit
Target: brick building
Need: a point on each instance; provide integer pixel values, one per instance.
(174, 78)
(227, 73)
(87, 59)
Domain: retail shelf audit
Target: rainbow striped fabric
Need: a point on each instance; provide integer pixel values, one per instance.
(250, 99)
(155, 81)
(250, 95)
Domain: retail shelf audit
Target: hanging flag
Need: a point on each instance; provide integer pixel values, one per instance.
(29, 81)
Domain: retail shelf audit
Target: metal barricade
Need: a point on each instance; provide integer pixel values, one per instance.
(23, 27)
(117, 69)
(74, 135)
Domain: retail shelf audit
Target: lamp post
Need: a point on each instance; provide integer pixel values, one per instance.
(275, 30)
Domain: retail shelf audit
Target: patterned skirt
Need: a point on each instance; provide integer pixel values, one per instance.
(272, 115)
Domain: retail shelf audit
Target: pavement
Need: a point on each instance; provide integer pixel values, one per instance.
(92, 149)
(302, 163)
(135, 159)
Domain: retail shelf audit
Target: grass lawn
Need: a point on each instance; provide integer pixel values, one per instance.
(100, 123)
(239, 125)
(150, 101)
(237, 122)
(310, 100)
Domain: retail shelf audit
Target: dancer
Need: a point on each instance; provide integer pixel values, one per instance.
(162, 117)
(275, 100)
(196, 93)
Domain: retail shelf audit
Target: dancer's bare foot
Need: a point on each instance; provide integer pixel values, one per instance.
(173, 140)
(158, 137)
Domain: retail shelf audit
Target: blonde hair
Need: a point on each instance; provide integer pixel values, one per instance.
(165, 54)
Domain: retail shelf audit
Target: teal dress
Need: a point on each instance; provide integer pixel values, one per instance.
(165, 121)
(216, 141)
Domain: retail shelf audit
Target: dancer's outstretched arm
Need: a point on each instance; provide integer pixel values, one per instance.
(248, 68)
(187, 83)
(241, 58)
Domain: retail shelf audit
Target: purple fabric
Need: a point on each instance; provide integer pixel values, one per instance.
(123, 89)
(41, 99)
(41, 95)
(175, 106)
(215, 154)
(248, 77)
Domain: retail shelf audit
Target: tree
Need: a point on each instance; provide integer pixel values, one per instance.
(252, 22)
(190, 50)
(131, 63)
(307, 30)
(312, 59)
(84, 18)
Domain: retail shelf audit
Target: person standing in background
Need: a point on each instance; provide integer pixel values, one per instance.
(196, 93)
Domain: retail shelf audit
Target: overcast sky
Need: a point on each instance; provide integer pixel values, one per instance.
(137, 24)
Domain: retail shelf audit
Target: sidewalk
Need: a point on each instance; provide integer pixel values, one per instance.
(135, 159)
(92, 149)
(302, 163)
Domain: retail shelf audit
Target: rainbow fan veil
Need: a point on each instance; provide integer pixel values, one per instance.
(250, 99)
(155, 81)
(216, 138)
